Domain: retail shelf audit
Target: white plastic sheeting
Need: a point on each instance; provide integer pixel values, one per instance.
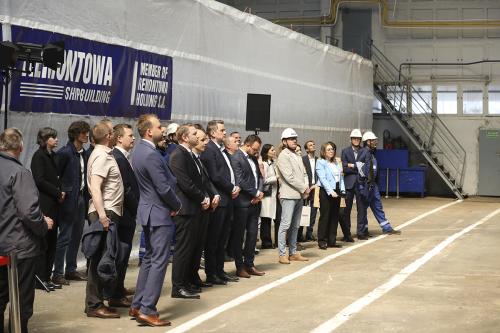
(219, 55)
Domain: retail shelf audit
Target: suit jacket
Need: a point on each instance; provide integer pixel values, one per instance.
(292, 175)
(68, 167)
(189, 189)
(219, 172)
(156, 186)
(309, 172)
(44, 170)
(131, 189)
(245, 178)
(350, 174)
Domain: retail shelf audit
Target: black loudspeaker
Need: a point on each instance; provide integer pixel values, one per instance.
(258, 112)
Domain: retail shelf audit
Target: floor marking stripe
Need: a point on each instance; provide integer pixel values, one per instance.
(355, 307)
(261, 290)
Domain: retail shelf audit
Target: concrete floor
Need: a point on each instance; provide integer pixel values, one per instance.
(458, 290)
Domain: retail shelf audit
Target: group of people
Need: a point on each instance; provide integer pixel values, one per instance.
(185, 183)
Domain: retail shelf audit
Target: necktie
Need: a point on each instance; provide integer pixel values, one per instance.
(198, 163)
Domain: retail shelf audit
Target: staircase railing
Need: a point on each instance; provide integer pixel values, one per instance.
(424, 126)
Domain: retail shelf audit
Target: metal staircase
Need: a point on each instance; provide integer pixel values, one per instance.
(419, 122)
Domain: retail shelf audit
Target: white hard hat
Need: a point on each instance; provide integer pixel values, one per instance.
(288, 133)
(369, 136)
(356, 133)
(172, 128)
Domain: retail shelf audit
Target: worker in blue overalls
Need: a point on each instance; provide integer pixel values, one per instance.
(368, 189)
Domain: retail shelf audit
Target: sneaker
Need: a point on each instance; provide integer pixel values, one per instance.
(392, 232)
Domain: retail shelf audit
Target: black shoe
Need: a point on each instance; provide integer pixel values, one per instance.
(323, 246)
(266, 246)
(60, 280)
(362, 237)
(214, 279)
(184, 293)
(195, 289)
(392, 232)
(338, 246)
(53, 285)
(202, 284)
(228, 278)
(42, 285)
(368, 235)
(348, 239)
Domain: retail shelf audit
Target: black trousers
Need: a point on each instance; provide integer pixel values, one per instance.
(328, 218)
(200, 240)
(95, 287)
(349, 199)
(125, 235)
(46, 262)
(186, 227)
(246, 224)
(26, 280)
(219, 226)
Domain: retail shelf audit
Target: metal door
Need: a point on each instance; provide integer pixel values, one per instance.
(489, 162)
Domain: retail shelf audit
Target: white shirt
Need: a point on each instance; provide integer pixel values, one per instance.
(312, 162)
(221, 148)
(82, 169)
(336, 171)
(254, 168)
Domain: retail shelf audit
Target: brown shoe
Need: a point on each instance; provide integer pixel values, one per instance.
(103, 312)
(75, 276)
(297, 257)
(133, 312)
(242, 273)
(123, 302)
(60, 280)
(128, 291)
(284, 260)
(254, 271)
(151, 320)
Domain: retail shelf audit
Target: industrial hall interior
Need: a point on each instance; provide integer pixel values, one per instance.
(281, 166)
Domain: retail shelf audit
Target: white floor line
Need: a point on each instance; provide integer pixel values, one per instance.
(261, 290)
(355, 307)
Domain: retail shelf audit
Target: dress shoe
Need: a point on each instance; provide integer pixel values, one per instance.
(195, 289)
(254, 271)
(348, 239)
(102, 312)
(242, 273)
(153, 320)
(322, 246)
(337, 246)
(59, 279)
(362, 237)
(284, 260)
(128, 291)
(123, 302)
(75, 276)
(53, 285)
(266, 246)
(229, 278)
(205, 284)
(297, 257)
(43, 285)
(392, 232)
(133, 312)
(183, 293)
(214, 279)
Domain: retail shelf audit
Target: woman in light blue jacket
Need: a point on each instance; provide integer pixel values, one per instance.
(331, 182)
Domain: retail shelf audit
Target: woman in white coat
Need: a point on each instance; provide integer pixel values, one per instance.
(268, 210)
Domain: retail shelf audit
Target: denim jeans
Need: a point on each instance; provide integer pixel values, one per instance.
(291, 210)
(69, 238)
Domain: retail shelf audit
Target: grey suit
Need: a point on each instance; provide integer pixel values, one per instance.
(157, 200)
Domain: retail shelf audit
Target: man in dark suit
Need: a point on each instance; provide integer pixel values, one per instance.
(247, 206)
(348, 158)
(72, 168)
(157, 204)
(310, 164)
(124, 142)
(194, 199)
(218, 164)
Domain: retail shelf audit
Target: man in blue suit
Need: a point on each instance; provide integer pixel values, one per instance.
(157, 204)
(348, 158)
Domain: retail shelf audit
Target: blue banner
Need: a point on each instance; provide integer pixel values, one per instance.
(96, 79)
